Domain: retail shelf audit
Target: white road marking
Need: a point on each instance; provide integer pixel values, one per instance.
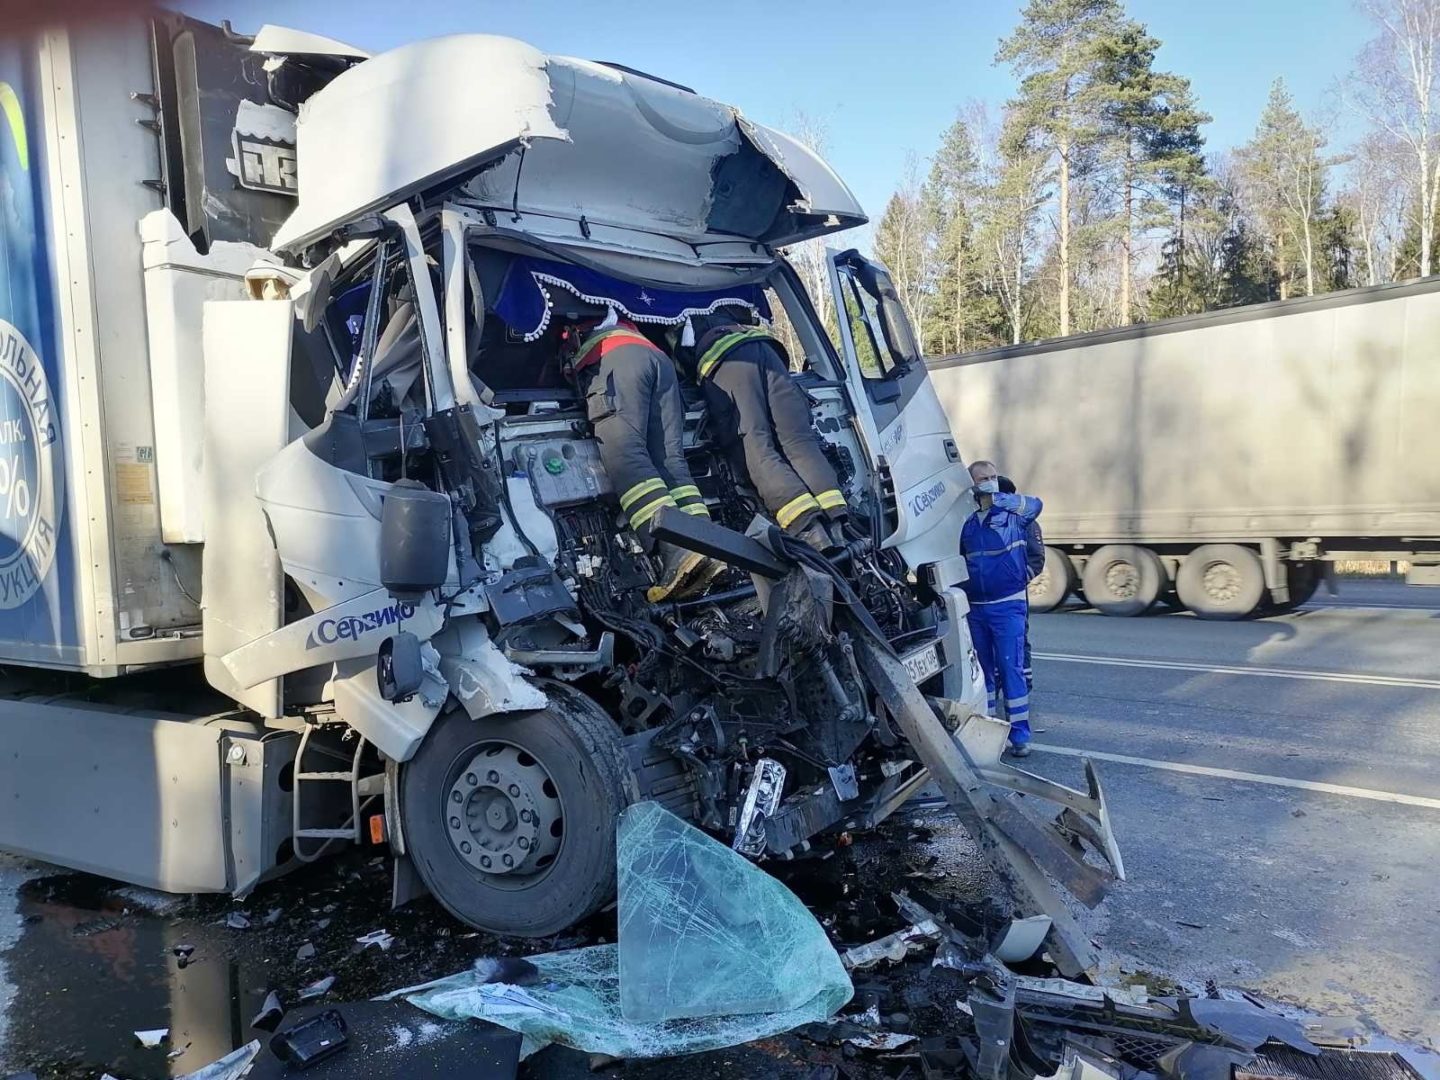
(1248, 777)
(1265, 672)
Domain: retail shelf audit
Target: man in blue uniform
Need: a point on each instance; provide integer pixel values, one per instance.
(1034, 564)
(993, 541)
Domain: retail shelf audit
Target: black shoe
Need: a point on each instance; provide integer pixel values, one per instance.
(1018, 749)
(818, 537)
(681, 573)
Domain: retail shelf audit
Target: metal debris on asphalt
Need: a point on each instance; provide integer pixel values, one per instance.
(305, 952)
(152, 1038)
(892, 947)
(237, 920)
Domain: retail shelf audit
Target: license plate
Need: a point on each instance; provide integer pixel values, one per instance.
(924, 662)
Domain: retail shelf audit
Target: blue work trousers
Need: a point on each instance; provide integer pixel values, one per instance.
(998, 632)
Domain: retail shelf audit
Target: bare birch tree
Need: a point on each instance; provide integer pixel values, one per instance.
(1393, 85)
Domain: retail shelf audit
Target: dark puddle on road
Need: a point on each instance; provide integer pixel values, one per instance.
(96, 962)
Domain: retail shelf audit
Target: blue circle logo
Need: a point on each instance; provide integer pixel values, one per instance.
(29, 477)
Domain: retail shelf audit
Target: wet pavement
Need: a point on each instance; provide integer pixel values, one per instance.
(94, 962)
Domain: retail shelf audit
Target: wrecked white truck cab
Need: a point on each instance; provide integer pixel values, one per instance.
(417, 583)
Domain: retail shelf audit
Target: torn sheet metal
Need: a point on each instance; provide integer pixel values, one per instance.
(892, 947)
(1021, 849)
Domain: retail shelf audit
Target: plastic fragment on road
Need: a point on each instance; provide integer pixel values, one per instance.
(1023, 938)
(892, 947)
(317, 989)
(237, 920)
(712, 952)
(152, 1038)
(376, 937)
(230, 1067)
(268, 1018)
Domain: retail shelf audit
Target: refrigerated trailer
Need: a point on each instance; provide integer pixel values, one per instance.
(306, 539)
(1223, 462)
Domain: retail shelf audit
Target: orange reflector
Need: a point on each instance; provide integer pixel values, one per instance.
(377, 828)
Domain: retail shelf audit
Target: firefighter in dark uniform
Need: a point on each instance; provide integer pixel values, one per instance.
(763, 422)
(633, 401)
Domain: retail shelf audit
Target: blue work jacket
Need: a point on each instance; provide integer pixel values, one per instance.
(993, 542)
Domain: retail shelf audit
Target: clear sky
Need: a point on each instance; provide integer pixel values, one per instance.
(886, 78)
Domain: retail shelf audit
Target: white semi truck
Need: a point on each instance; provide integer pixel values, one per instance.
(1221, 462)
(305, 539)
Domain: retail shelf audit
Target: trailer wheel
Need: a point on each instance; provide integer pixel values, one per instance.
(1123, 579)
(1049, 588)
(1221, 581)
(510, 820)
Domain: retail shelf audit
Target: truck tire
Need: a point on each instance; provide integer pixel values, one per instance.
(1221, 581)
(542, 790)
(1049, 588)
(1123, 579)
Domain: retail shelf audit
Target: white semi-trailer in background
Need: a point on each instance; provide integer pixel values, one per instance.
(1223, 462)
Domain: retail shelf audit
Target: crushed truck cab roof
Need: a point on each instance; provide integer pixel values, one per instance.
(552, 136)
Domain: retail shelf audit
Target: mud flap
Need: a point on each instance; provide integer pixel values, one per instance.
(1021, 849)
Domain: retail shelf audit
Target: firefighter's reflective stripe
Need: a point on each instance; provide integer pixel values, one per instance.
(649, 510)
(699, 509)
(830, 500)
(794, 508)
(685, 491)
(645, 487)
(715, 353)
(590, 349)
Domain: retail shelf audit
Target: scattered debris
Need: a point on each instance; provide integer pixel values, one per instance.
(376, 937)
(153, 1038)
(230, 1067)
(311, 1040)
(268, 1018)
(305, 952)
(183, 954)
(322, 924)
(1135, 994)
(237, 920)
(1023, 939)
(272, 917)
(893, 947)
(317, 989)
(881, 1040)
(1191, 925)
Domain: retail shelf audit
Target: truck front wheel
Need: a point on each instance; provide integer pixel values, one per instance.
(510, 819)
(1221, 581)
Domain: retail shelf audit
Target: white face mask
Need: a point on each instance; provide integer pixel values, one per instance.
(988, 487)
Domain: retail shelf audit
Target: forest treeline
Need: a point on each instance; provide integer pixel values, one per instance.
(1089, 200)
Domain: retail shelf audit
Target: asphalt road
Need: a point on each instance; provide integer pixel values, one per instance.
(1275, 787)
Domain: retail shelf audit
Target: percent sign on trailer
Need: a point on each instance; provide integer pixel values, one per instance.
(14, 488)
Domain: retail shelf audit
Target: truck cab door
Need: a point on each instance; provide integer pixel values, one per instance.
(924, 486)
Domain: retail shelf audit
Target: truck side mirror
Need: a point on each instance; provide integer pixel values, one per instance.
(399, 670)
(414, 540)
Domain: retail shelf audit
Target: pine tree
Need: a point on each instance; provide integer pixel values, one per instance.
(1152, 128)
(1284, 178)
(1056, 50)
